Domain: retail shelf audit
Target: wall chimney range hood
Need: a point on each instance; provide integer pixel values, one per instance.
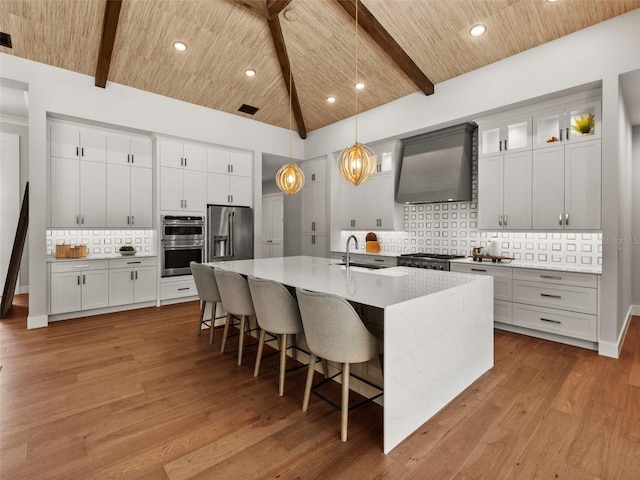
(436, 166)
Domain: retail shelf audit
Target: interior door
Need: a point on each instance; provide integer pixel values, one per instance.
(9, 199)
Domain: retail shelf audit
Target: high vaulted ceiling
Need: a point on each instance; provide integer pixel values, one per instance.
(226, 37)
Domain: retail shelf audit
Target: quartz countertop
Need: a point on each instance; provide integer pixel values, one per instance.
(107, 256)
(560, 267)
(378, 288)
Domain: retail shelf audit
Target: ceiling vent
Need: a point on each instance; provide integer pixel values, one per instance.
(244, 108)
(5, 40)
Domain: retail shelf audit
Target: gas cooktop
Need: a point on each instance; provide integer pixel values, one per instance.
(433, 256)
(433, 261)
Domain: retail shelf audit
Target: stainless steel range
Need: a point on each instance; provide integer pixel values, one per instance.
(433, 261)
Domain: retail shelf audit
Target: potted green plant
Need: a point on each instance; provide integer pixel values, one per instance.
(584, 124)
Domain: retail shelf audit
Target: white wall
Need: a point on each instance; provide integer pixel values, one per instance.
(635, 215)
(53, 90)
(598, 54)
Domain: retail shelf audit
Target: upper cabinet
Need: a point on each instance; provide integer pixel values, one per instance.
(77, 188)
(229, 177)
(505, 136)
(182, 179)
(567, 124)
(314, 197)
(371, 205)
(130, 150)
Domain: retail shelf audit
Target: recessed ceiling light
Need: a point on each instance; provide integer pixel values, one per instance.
(180, 46)
(360, 86)
(331, 99)
(250, 72)
(552, 1)
(477, 30)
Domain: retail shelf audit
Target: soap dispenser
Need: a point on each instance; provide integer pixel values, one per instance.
(494, 247)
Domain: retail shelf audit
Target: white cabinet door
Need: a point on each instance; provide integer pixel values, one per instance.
(314, 245)
(352, 205)
(490, 198)
(517, 191)
(95, 289)
(141, 152)
(171, 154)
(583, 186)
(65, 192)
(171, 188)
(218, 161)
(93, 145)
(118, 195)
(241, 164)
(144, 285)
(273, 225)
(548, 188)
(218, 189)
(118, 149)
(193, 193)
(509, 135)
(141, 197)
(381, 209)
(120, 286)
(65, 292)
(195, 156)
(64, 140)
(489, 138)
(241, 191)
(93, 194)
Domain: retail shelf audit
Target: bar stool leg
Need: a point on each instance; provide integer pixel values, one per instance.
(263, 334)
(344, 420)
(307, 387)
(225, 333)
(202, 307)
(283, 362)
(213, 321)
(243, 321)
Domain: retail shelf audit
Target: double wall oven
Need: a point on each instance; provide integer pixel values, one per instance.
(182, 242)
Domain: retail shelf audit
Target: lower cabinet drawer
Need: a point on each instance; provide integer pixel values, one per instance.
(565, 297)
(178, 289)
(570, 324)
(502, 311)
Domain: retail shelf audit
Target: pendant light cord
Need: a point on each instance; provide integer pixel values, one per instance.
(290, 95)
(356, 80)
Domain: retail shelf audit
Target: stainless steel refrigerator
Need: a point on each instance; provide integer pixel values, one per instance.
(229, 232)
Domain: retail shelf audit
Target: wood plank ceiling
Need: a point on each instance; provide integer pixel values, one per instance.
(225, 38)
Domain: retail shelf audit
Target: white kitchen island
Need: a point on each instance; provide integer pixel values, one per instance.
(438, 328)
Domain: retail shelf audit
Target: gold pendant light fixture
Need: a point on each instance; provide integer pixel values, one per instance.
(357, 163)
(290, 177)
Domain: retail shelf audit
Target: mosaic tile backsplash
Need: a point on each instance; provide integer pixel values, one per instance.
(102, 242)
(452, 228)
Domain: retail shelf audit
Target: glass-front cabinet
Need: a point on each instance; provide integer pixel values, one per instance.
(507, 136)
(570, 124)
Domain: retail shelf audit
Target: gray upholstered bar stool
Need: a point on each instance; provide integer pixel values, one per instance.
(207, 288)
(236, 300)
(277, 313)
(334, 332)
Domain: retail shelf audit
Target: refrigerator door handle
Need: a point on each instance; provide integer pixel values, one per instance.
(231, 234)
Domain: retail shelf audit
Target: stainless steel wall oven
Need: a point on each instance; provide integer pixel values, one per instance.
(182, 242)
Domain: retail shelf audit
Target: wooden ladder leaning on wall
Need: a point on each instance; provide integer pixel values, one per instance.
(16, 255)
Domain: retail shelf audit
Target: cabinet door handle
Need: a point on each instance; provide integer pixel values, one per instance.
(378, 260)
(82, 151)
(231, 168)
(181, 161)
(136, 274)
(505, 145)
(78, 219)
(185, 203)
(504, 220)
(500, 145)
(77, 151)
(82, 219)
(500, 220)
(128, 220)
(566, 219)
(128, 157)
(313, 239)
(550, 321)
(231, 198)
(133, 219)
(133, 158)
(184, 288)
(567, 133)
(478, 270)
(185, 161)
(133, 263)
(559, 219)
(84, 279)
(560, 134)
(131, 274)
(550, 296)
(313, 177)
(81, 266)
(313, 226)
(78, 279)
(553, 277)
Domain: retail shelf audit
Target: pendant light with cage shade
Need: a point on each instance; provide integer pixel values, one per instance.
(290, 177)
(357, 163)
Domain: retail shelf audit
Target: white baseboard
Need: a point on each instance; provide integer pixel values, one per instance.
(611, 349)
(37, 322)
(24, 289)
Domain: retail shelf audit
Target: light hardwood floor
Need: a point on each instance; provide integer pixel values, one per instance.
(138, 395)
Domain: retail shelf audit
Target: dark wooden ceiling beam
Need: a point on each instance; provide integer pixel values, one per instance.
(387, 43)
(109, 28)
(274, 7)
(285, 66)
